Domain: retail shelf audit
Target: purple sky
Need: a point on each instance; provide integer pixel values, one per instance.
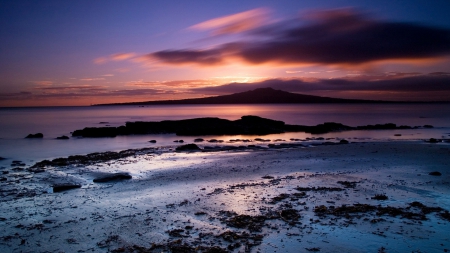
(87, 52)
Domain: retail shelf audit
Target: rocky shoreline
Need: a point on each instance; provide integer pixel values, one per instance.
(312, 199)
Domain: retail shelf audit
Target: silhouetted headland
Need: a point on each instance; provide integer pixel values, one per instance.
(246, 125)
(257, 96)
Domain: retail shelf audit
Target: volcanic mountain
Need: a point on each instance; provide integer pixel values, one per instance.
(257, 96)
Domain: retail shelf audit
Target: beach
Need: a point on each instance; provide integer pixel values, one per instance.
(357, 197)
(224, 126)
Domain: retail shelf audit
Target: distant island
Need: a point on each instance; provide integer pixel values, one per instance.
(257, 96)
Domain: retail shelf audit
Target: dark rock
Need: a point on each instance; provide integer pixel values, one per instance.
(279, 198)
(380, 197)
(252, 223)
(343, 142)
(318, 129)
(152, 141)
(199, 140)
(433, 140)
(17, 163)
(446, 216)
(435, 173)
(188, 147)
(348, 184)
(176, 233)
(2, 158)
(247, 125)
(428, 126)
(3, 179)
(92, 158)
(112, 177)
(388, 126)
(35, 136)
(96, 132)
(65, 187)
(289, 215)
(397, 135)
(319, 189)
(62, 137)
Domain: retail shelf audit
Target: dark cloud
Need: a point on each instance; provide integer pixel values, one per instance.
(177, 83)
(202, 57)
(411, 84)
(343, 37)
(76, 89)
(82, 91)
(139, 92)
(16, 95)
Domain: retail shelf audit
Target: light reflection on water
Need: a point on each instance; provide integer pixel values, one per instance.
(16, 123)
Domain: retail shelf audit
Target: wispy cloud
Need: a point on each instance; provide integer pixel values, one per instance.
(92, 79)
(43, 83)
(122, 56)
(16, 95)
(115, 57)
(101, 60)
(176, 83)
(194, 83)
(236, 23)
(83, 91)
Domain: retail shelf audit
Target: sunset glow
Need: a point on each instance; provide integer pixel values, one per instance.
(63, 53)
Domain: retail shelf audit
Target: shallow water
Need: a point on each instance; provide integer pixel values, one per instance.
(16, 123)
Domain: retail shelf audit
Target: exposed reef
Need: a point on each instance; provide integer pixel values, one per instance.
(35, 136)
(246, 125)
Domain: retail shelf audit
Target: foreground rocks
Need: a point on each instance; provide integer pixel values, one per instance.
(90, 158)
(188, 147)
(112, 177)
(65, 187)
(254, 202)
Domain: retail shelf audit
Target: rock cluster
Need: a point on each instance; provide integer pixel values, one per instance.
(35, 136)
(246, 125)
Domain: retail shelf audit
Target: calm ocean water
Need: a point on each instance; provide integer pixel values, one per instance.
(16, 123)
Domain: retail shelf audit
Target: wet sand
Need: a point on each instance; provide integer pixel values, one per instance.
(313, 199)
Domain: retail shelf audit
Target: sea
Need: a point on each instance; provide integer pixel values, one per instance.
(16, 123)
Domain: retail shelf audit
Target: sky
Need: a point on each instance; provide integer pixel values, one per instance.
(66, 53)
